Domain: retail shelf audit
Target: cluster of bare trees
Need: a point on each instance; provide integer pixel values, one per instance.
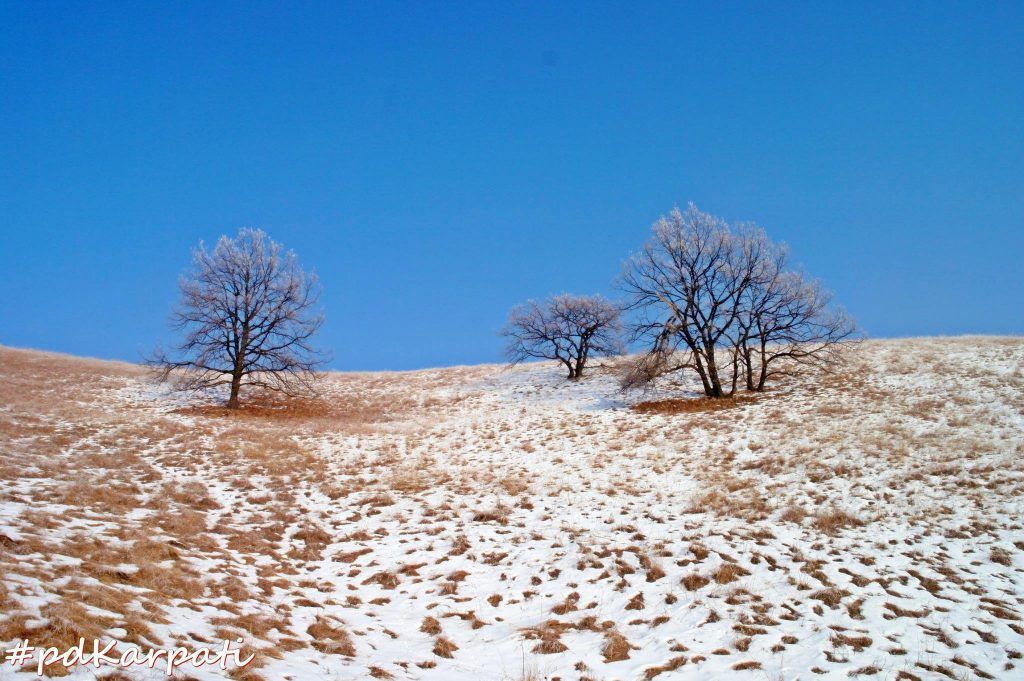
(721, 301)
(717, 299)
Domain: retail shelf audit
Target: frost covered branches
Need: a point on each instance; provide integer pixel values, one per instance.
(247, 315)
(719, 300)
(570, 329)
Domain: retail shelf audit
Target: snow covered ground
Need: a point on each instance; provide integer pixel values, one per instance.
(485, 523)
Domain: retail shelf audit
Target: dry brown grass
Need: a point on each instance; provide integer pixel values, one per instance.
(64, 623)
(699, 405)
(444, 647)
(1000, 556)
(731, 496)
(262, 521)
(498, 514)
(695, 581)
(430, 626)
(831, 597)
(835, 520)
(616, 647)
(329, 637)
(793, 514)
(729, 572)
(358, 407)
(670, 666)
(857, 642)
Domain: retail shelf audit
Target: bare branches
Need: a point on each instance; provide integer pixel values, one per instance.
(788, 323)
(247, 314)
(718, 299)
(685, 285)
(570, 329)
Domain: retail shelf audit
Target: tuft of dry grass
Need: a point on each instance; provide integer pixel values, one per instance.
(831, 597)
(330, 638)
(498, 514)
(695, 581)
(444, 647)
(616, 647)
(793, 514)
(729, 572)
(835, 520)
(858, 643)
(1000, 556)
(430, 626)
(670, 666)
(388, 579)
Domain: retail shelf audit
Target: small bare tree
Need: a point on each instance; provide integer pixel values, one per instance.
(247, 314)
(570, 329)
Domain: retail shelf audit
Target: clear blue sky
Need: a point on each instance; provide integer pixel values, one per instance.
(438, 162)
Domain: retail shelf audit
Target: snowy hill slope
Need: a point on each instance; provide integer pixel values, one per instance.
(485, 523)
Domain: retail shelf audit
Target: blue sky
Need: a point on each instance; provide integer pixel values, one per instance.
(436, 163)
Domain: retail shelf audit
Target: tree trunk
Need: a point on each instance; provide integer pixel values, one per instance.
(713, 377)
(763, 378)
(749, 367)
(236, 386)
(735, 372)
(581, 361)
(236, 373)
(703, 374)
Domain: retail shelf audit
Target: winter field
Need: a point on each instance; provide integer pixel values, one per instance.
(485, 523)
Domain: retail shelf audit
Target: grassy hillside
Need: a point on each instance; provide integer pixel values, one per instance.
(484, 523)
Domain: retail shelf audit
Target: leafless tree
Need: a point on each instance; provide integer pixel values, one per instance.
(247, 312)
(570, 329)
(685, 285)
(788, 322)
(719, 300)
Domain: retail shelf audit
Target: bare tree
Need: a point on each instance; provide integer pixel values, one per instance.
(247, 314)
(686, 284)
(788, 322)
(570, 329)
(719, 300)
